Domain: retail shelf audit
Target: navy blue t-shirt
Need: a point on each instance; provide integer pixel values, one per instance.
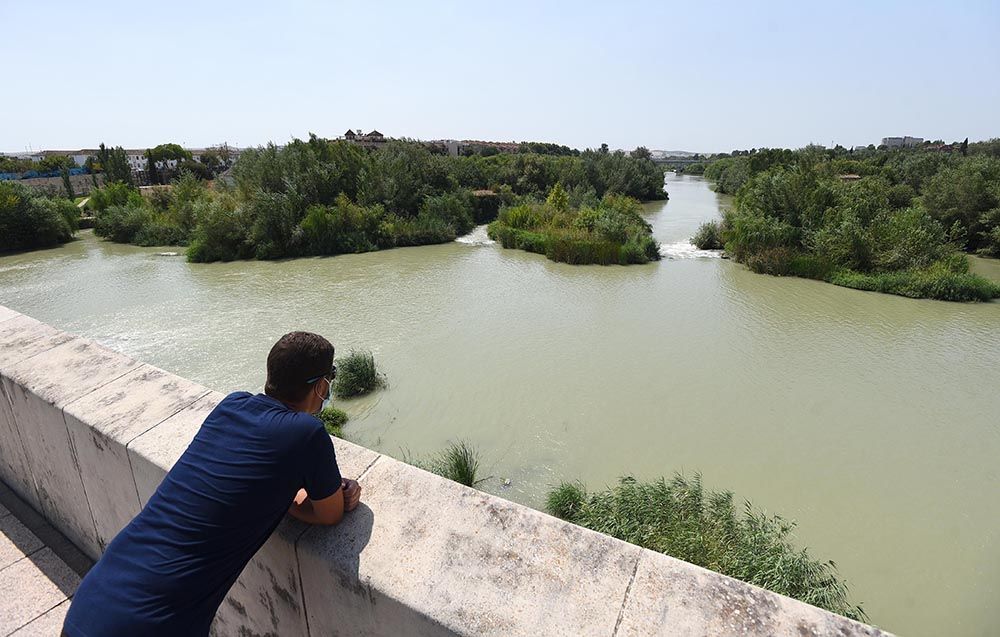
(167, 571)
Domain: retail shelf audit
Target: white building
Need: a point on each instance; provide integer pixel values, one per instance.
(902, 142)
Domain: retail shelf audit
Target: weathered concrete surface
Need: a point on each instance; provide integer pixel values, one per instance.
(445, 559)
(7, 313)
(101, 425)
(20, 337)
(675, 598)
(31, 587)
(38, 388)
(48, 625)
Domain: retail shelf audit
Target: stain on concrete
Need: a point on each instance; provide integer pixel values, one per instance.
(742, 608)
(283, 593)
(268, 603)
(238, 607)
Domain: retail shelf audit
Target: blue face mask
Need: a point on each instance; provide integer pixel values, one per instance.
(326, 401)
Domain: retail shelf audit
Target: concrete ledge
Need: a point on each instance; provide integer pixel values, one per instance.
(103, 423)
(88, 434)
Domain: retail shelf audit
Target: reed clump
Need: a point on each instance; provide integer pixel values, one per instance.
(357, 374)
(333, 420)
(680, 518)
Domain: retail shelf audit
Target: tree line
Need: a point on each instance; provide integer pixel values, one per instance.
(320, 197)
(896, 221)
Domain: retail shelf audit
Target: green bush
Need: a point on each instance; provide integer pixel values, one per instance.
(122, 223)
(455, 209)
(681, 519)
(221, 233)
(774, 261)
(333, 420)
(612, 233)
(115, 194)
(809, 266)
(357, 374)
(709, 236)
(344, 227)
(28, 221)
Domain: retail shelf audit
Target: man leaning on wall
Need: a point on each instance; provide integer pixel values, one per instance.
(254, 458)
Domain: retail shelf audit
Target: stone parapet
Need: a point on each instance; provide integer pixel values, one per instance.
(87, 434)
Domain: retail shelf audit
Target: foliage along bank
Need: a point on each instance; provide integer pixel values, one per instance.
(891, 221)
(321, 197)
(679, 518)
(29, 221)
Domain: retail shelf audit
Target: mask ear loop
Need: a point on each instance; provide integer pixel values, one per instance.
(329, 390)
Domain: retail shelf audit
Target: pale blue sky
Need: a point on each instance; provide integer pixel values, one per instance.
(692, 75)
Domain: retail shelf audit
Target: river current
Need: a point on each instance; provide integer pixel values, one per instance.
(872, 420)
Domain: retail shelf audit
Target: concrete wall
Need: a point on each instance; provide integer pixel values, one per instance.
(82, 184)
(86, 435)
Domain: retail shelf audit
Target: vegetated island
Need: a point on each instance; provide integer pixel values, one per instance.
(897, 221)
(609, 231)
(325, 197)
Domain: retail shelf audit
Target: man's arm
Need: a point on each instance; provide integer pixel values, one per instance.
(327, 511)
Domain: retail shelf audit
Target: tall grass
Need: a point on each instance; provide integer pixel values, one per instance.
(357, 374)
(683, 520)
(459, 462)
(333, 420)
(934, 283)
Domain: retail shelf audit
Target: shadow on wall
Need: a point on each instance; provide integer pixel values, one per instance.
(352, 536)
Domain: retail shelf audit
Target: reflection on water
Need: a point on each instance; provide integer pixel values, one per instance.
(870, 419)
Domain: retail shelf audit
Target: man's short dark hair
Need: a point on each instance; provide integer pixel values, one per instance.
(294, 359)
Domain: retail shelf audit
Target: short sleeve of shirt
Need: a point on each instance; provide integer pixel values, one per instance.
(322, 475)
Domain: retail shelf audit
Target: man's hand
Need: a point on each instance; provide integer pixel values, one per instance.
(352, 493)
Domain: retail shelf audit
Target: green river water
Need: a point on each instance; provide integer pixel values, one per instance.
(872, 420)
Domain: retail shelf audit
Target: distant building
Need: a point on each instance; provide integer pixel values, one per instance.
(373, 139)
(902, 142)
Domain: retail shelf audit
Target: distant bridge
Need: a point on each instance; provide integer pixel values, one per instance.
(678, 161)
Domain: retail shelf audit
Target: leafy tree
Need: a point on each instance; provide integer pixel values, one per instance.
(28, 221)
(963, 194)
(558, 200)
(151, 172)
(67, 184)
(115, 164)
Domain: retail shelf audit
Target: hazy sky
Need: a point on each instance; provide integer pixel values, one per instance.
(692, 75)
